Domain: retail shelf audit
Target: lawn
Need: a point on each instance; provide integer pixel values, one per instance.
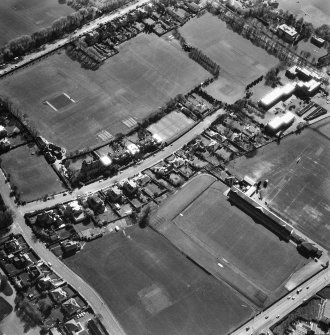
(31, 173)
(153, 289)
(299, 178)
(240, 61)
(23, 17)
(5, 308)
(142, 77)
(253, 260)
(315, 11)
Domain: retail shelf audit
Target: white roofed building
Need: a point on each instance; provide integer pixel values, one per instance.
(287, 33)
(277, 94)
(280, 122)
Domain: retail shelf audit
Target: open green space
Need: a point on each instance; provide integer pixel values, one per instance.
(23, 17)
(315, 11)
(299, 178)
(243, 247)
(153, 289)
(5, 308)
(145, 74)
(30, 173)
(240, 61)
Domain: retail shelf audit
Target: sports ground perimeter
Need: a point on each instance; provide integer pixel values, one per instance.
(143, 76)
(299, 178)
(153, 289)
(200, 221)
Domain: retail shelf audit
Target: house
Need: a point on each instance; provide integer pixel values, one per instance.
(3, 132)
(4, 144)
(115, 194)
(133, 149)
(12, 246)
(45, 283)
(48, 219)
(193, 7)
(70, 307)
(58, 295)
(95, 327)
(318, 41)
(73, 327)
(286, 32)
(96, 204)
(34, 272)
(130, 187)
(70, 247)
(73, 210)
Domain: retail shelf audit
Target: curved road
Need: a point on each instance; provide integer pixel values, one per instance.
(95, 301)
(130, 172)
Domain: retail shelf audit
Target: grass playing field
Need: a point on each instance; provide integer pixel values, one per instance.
(299, 178)
(153, 289)
(240, 61)
(31, 174)
(315, 11)
(142, 77)
(23, 17)
(244, 248)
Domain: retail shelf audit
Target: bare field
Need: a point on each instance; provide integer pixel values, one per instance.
(240, 61)
(142, 77)
(153, 289)
(299, 178)
(23, 17)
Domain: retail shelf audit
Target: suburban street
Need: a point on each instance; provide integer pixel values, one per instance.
(130, 172)
(95, 301)
(287, 304)
(50, 47)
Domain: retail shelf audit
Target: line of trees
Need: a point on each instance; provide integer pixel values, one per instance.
(206, 62)
(86, 11)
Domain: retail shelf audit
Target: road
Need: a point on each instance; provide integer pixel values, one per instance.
(94, 300)
(273, 314)
(129, 172)
(50, 47)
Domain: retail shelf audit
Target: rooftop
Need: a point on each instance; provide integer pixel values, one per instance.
(288, 30)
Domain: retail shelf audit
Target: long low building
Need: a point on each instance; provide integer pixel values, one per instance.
(277, 94)
(280, 123)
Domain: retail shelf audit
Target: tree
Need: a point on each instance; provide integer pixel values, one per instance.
(45, 307)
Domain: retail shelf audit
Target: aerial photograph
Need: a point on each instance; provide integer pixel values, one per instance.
(164, 167)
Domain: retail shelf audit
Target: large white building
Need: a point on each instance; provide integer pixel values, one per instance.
(279, 93)
(287, 33)
(280, 122)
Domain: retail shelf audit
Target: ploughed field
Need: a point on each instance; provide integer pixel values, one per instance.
(30, 173)
(153, 289)
(203, 224)
(240, 61)
(299, 178)
(146, 74)
(24, 17)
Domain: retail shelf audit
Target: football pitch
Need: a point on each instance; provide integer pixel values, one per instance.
(243, 247)
(146, 74)
(153, 289)
(24, 17)
(240, 61)
(299, 178)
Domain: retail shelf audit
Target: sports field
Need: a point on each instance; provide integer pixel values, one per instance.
(30, 173)
(299, 178)
(240, 61)
(23, 17)
(153, 289)
(231, 236)
(170, 125)
(145, 74)
(315, 11)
